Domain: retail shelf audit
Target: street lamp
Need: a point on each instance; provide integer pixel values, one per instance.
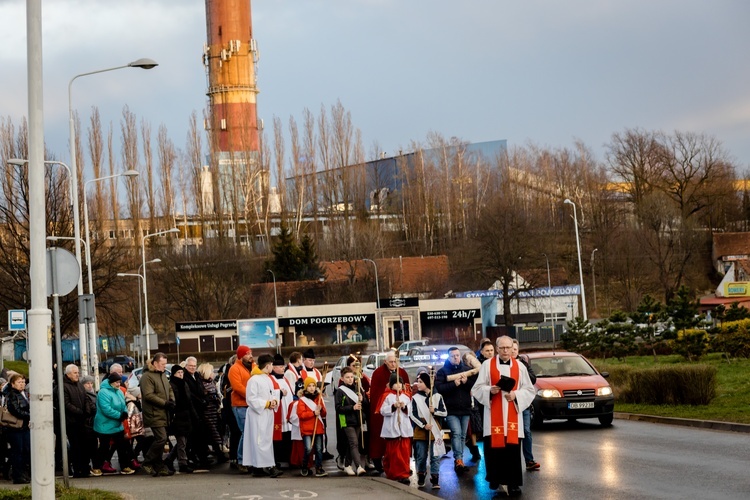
(140, 307)
(276, 308)
(145, 283)
(93, 354)
(140, 63)
(580, 268)
(77, 244)
(593, 275)
(549, 296)
(380, 341)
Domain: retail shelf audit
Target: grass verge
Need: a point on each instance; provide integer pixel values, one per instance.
(731, 403)
(62, 493)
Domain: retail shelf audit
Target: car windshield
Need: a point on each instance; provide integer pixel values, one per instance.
(561, 367)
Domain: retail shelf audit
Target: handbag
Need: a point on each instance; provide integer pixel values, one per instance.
(7, 419)
(134, 423)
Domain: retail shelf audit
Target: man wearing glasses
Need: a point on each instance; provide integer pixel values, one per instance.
(504, 388)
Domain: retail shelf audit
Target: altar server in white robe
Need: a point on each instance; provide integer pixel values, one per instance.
(263, 398)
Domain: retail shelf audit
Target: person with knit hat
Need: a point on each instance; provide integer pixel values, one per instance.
(239, 374)
(396, 430)
(427, 412)
(311, 411)
(309, 370)
(263, 422)
(111, 410)
(351, 409)
(282, 447)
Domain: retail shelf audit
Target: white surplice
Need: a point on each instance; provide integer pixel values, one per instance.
(257, 446)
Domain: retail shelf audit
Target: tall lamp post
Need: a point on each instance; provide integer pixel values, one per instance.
(276, 309)
(93, 344)
(580, 268)
(593, 275)
(147, 326)
(549, 296)
(77, 239)
(140, 306)
(381, 341)
(140, 63)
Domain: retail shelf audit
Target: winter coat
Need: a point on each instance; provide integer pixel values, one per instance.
(155, 392)
(347, 415)
(78, 407)
(457, 397)
(184, 414)
(18, 406)
(239, 374)
(195, 386)
(307, 417)
(211, 410)
(110, 405)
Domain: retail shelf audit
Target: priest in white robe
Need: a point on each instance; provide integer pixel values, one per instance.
(504, 388)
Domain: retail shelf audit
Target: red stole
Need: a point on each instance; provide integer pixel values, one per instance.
(497, 428)
(276, 412)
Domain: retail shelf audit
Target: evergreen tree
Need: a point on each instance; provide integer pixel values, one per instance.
(311, 269)
(684, 309)
(287, 262)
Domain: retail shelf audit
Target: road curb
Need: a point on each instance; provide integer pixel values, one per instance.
(404, 487)
(686, 422)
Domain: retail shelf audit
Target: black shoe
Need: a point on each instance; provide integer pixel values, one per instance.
(327, 456)
(186, 469)
(147, 469)
(165, 471)
(476, 457)
(421, 479)
(320, 472)
(273, 471)
(405, 480)
(304, 471)
(514, 491)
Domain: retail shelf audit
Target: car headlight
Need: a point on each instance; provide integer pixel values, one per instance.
(548, 393)
(604, 391)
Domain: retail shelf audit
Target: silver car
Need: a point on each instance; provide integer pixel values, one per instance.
(134, 380)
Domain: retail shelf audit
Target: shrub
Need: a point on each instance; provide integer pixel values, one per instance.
(691, 344)
(733, 338)
(665, 385)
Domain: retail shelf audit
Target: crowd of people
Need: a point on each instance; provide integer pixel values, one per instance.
(268, 415)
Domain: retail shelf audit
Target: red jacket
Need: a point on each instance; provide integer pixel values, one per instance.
(307, 417)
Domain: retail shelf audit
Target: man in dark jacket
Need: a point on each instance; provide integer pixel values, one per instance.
(158, 403)
(78, 412)
(455, 387)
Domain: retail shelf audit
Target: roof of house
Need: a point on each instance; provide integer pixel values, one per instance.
(401, 275)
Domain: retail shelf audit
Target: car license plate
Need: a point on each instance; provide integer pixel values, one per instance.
(580, 406)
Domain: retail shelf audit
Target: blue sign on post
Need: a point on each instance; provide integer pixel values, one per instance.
(16, 320)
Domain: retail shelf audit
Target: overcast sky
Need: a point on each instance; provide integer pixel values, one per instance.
(548, 72)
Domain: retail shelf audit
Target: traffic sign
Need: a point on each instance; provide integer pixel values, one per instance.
(16, 320)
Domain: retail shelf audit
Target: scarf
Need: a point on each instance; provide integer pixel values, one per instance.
(499, 438)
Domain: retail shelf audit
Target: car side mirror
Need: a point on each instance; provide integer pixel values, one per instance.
(604, 374)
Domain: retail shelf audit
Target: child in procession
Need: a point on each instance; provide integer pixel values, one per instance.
(351, 404)
(397, 431)
(311, 410)
(427, 410)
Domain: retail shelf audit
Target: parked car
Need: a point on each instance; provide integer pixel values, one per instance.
(403, 349)
(422, 358)
(127, 363)
(569, 387)
(372, 362)
(134, 380)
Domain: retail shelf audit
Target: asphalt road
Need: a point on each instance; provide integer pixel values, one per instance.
(579, 461)
(628, 460)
